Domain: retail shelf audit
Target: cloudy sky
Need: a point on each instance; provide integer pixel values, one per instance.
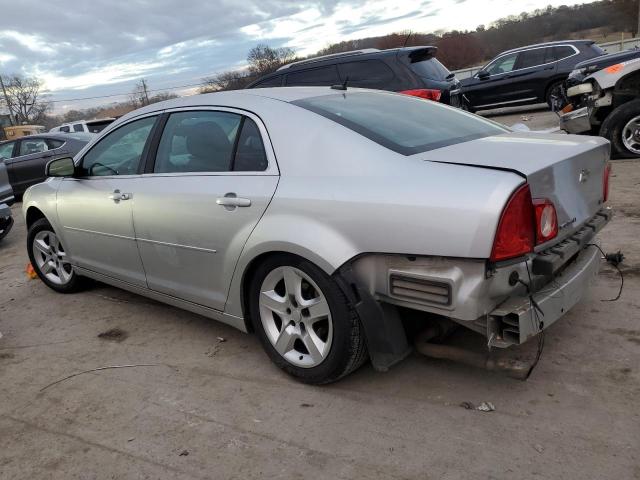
(90, 48)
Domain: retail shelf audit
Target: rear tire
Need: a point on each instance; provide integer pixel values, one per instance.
(622, 129)
(555, 91)
(48, 258)
(304, 321)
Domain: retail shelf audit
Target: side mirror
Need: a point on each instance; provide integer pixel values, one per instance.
(60, 167)
(483, 75)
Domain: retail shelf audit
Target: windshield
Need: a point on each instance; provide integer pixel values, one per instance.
(402, 123)
(431, 69)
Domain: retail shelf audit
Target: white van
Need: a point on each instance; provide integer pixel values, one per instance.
(90, 126)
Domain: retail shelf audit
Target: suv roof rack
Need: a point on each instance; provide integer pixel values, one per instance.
(331, 55)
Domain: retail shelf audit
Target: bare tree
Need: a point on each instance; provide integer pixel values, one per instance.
(140, 95)
(24, 99)
(263, 59)
(231, 80)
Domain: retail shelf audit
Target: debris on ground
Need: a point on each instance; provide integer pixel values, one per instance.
(131, 439)
(539, 448)
(486, 407)
(183, 453)
(222, 339)
(525, 118)
(468, 405)
(113, 334)
(31, 273)
(306, 405)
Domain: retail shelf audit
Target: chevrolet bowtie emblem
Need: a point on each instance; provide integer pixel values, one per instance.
(584, 175)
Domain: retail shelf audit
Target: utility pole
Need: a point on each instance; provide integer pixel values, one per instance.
(6, 99)
(144, 89)
(638, 28)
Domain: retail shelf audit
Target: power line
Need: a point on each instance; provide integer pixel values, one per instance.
(126, 94)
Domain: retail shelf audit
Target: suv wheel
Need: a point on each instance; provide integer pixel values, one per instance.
(555, 97)
(622, 129)
(49, 258)
(304, 321)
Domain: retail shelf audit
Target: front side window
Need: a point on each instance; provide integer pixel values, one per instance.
(6, 150)
(322, 76)
(65, 129)
(201, 141)
(404, 124)
(37, 145)
(120, 152)
(502, 65)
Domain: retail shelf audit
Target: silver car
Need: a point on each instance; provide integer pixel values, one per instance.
(311, 215)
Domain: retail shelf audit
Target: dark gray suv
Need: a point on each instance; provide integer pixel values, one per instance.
(410, 70)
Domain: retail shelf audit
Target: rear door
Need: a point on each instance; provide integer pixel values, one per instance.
(530, 75)
(211, 177)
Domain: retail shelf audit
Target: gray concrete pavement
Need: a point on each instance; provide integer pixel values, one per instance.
(211, 409)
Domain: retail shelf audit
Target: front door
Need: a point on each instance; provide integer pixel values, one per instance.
(210, 183)
(95, 208)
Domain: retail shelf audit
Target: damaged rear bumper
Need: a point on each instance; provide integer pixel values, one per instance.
(576, 121)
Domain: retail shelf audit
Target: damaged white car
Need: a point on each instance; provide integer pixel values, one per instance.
(310, 215)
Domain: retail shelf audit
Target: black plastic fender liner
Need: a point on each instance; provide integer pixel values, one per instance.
(385, 336)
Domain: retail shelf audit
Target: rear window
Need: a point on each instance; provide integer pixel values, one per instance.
(404, 124)
(431, 69)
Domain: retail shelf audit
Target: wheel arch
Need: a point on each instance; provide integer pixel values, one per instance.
(32, 215)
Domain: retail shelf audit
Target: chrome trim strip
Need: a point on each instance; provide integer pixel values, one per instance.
(504, 103)
(511, 52)
(98, 233)
(145, 240)
(188, 247)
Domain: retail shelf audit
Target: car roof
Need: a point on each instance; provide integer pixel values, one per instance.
(548, 44)
(353, 55)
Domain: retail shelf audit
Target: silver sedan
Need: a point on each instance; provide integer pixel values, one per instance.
(312, 215)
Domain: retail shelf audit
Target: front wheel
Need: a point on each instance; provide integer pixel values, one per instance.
(304, 321)
(622, 129)
(49, 258)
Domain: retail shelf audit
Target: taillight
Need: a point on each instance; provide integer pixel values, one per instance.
(515, 235)
(546, 220)
(426, 93)
(605, 182)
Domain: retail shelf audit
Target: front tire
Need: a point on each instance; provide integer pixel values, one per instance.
(49, 259)
(304, 321)
(622, 129)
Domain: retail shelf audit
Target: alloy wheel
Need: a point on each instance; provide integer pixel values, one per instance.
(631, 135)
(51, 259)
(296, 317)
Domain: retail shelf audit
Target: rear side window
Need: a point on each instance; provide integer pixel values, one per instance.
(564, 52)
(250, 155)
(530, 58)
(431, 69)
(54, 143)
(366, 74)
(270, 82)
(28, 147)
(78, 127)
(322, 76)
(401, 123)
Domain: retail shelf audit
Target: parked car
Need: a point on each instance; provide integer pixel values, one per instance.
(526, 75)
(87, 126)
(412, 70)
(308, 215)
(18, 131)
(6, 200)
(583, 69)
(27, 157)
(606, 103)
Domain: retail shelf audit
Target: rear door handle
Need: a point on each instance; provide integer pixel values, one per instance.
(231, 201)
(116, 196)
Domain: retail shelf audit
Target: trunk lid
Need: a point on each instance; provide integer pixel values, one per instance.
(566, 169)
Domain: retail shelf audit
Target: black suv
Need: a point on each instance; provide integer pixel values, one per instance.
(526, 75)
(409, 70)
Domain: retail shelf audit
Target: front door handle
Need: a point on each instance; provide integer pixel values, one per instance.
(116, 196)
(231, 201)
